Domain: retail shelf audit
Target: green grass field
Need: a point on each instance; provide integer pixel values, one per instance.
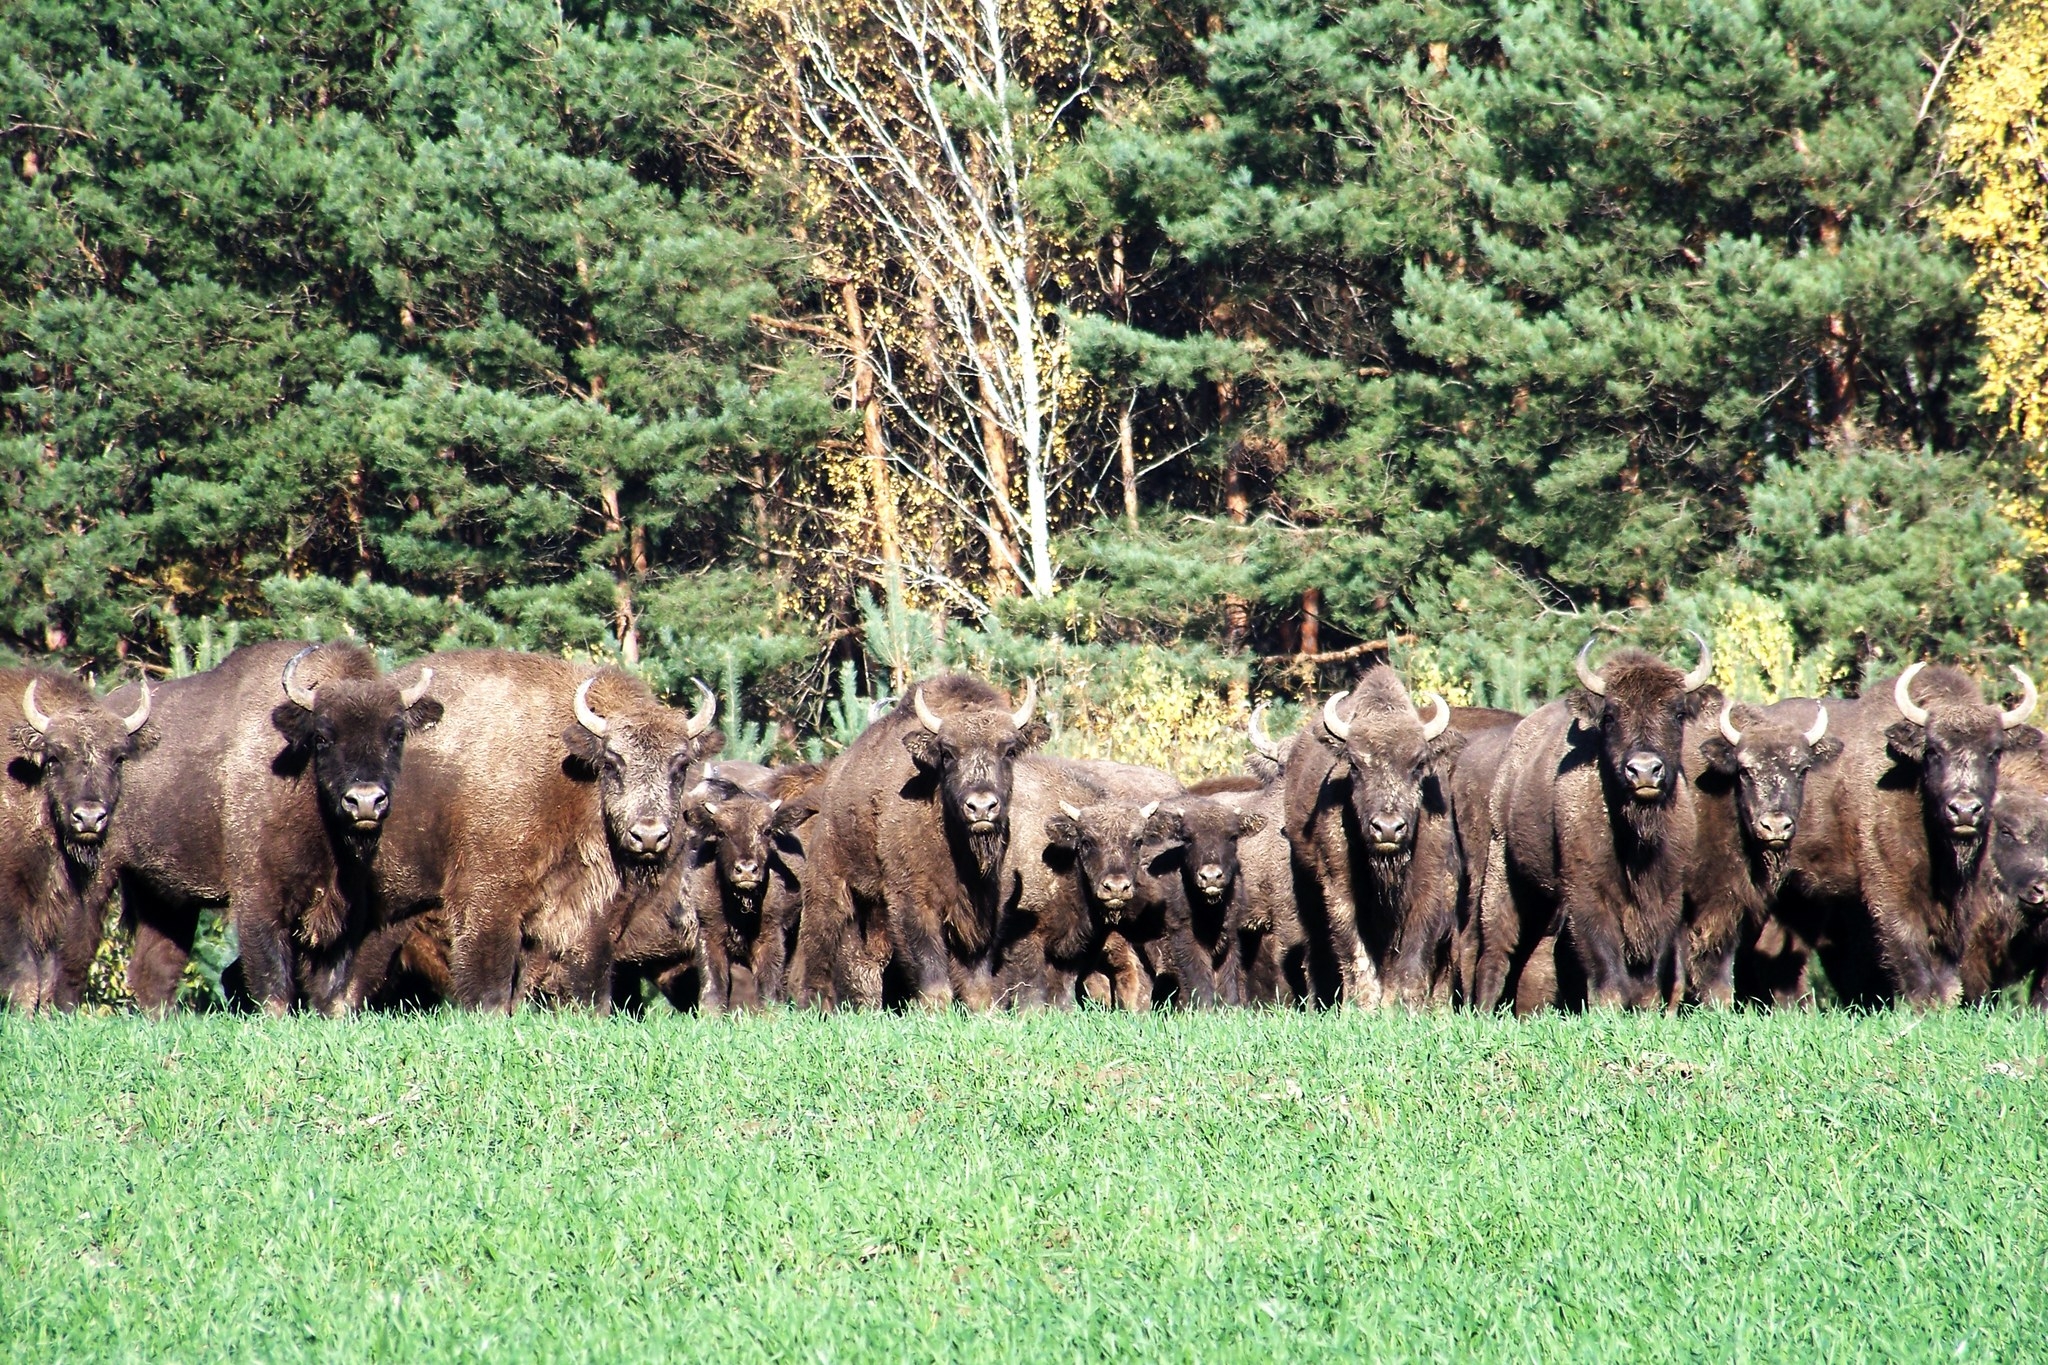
(881, 1188)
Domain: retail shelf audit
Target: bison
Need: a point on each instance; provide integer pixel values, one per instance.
(1270, 953)
(743, 883)
(1208, 834)
(1593, 830)
(268, 789)
(2009, 943)
(1897, 877)
(903, 865)
(1487, 734)
(1375, 852)
(1750, 783)
(542, 826)
(57, 806)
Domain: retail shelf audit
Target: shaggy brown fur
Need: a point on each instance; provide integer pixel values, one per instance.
(241, 801)
(743, 881)
(2009, 944)
(59, 802)
(1586, 862)
(1213, 886)
(1488, 733)
(899, 873)
(1270, 952)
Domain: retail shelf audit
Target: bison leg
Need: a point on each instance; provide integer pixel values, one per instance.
(163, 945)
(266, 951)
(1130, 982)
(919, 944)
(1499, 931)
(485, 957)
(1191, 963)
(771, 949)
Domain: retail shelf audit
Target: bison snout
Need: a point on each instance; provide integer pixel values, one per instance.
(1965, 814)
(89, 821)
(2034, 894)
(982, 810)
(746, 875)
(1644, 774)
(365, 803)
(648, 838)
(1209, 880)
(1115, 891)
(1388, 832)
(1775, 827)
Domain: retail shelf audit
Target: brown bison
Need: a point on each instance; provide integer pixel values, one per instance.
(1049, 937)
(1207, 836)
(1898, 875)
(2009, 943)
(1488, 733)
(1593, 829)
(269, 790)
(542, 823)
(57, 804)
(1375, 852)
(903, 865)
(1270, 952)
(742, 877)
(1749, 774)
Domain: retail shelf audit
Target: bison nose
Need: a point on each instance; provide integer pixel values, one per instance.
(89, 819)
(1389, 830)
(982, 808)
(1117, 888)
(2036, 893)
(1209, 874)
(1965, 813)
(747, 871)
(1775, 826)
(647, 837)
(1644, 772)
(365, 802)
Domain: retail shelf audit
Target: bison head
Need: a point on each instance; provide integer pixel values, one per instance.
(2019, 850)
(640, 751)
(77, 754)
(1638, 705)
(1209, 831)
(1389, 754)
(1768, 761)
(971, 753)
(1956, 739)
(739, 829)
(354, 731)
(1106, 841)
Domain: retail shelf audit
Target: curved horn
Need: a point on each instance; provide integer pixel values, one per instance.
(1439, 719)
(301, 696)
(585, 716)
(1588, 679)
(706, 712)
(1334, 723)
(409, 697)
(1820, 725)
(138, 718)
(1148, 810)
(925, 714)
(32, 711)
(1902, 696)
(2028, 696)
(1022, 716)
(1726, 720)
(1262, 741)
(1704, 669)
(1070, 810)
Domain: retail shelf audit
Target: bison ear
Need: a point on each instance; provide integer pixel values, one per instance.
(1250, 823)
(2022, 738)
(1720, 755)
(1830, 749)
(1907, 740)
(1034, 734)
(1444, 748)
(710, 744)
(295, 723)
(584, 747)
(1062, 832)
(1585, 708)
(924, 748)
(29, 741)
(791, 814)
(423, 714)
(1701, 701)
(1167, 827)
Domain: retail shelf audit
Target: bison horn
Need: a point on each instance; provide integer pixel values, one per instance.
(1902, 696)
(1820, 725)
(1588, 679)
(1070, 810)
(301, 696)
(2027, 699)
(1439, 719)
(1148, 810)
(878, 706)
(1260, 739)
(138, 718)
(34, 713)
(928, 717)
(1333, 722)
(1022, 716)
(701, 719)
(1704, 669)
(1726, 720)
(585, 716)
(409, 696)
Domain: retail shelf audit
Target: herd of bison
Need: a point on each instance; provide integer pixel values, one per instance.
(488, 827)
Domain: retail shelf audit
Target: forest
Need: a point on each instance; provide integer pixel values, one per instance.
(1176, 354)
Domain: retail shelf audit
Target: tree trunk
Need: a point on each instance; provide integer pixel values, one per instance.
(1312, 621)
(1126, 443)
(1237, 505)
(881, 489)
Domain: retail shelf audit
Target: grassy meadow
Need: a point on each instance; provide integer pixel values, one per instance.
(1230, 1186)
